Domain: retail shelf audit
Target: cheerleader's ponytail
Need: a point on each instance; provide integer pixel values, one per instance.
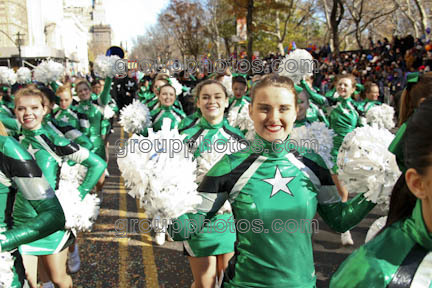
(418, 156)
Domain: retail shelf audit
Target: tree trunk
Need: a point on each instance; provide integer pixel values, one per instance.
(278, 35)
(249, 19)
(423, 17)
(227, 47)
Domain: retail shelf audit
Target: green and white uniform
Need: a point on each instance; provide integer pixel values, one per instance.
(274, 195)
(365, 105)
(190, 120)
(343, 119)
(400, 256)
(235, 102)
(157, 116)
(50, 150)
(19, 172)
(199, 136)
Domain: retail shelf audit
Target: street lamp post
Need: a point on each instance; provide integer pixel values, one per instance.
(19, 42)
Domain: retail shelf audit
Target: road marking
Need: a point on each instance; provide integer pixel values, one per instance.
(150, 270)
(123, 242)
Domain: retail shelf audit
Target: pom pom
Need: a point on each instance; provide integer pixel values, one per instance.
(296, 73)
(239, 117)
(135, 117)
(176, 84)
(7, 76)
(48, 71)
(105, 66)
(108, 112)
(23, 75)
(80, 215)
(227, 83)
(317, 137)
(6, 266)
(381, 116)
(366, 165)
(162, 178)
(375, 228)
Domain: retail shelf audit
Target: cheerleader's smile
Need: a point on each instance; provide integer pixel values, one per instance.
(30, 112)
(212, 103)
(273, 112)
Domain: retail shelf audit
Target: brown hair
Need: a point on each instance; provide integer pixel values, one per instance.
(368, 88)
(31, 90)
(349, 76)
(274, 80)
(168, 85)
(412, 96)
(3, 130)
(200, 85)
(83, 82)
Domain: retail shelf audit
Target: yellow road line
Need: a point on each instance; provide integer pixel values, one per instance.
(123, 243)
(150, 269)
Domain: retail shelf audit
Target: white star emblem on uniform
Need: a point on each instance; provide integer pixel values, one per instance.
(65, 118)
(130, 84)
(86, 107)
(279, 183)
(32, 151)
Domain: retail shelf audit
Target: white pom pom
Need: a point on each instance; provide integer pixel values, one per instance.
(316, 137)
(135, 117)
(162, 178)
(80, 215)
(23, 75)
(48, 71)
(239, 117)
(297, 65)
(108, 112)
(375, 228)
(6, 272)
(7, 76)
(366, 165)
(227, 83)
(176, 84)
(381, 116)
(105, 66)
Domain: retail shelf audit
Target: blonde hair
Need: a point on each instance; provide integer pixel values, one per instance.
(31, 90)
(3, 130)
(64, 89)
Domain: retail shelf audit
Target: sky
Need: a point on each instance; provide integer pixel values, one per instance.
(130, 18)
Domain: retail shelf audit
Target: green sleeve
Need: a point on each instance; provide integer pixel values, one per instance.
(10, 123)
(343, 216)
(318, 99)
(95, 168)
(50, 219)
(105, 95)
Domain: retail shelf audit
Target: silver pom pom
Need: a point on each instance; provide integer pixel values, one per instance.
(297, 65)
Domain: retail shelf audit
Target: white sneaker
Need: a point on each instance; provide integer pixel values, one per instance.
(48, 285)
(346, 238)
(74, 262)
(160, 238)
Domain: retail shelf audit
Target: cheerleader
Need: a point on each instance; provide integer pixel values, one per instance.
(167, 96)
(274, 193)
(343, 119)
(95, 116)
(401, 254)
(239, 87)
(209, 253)
(20, 172)
(307, 115)
(50, 150)
(370, 97)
